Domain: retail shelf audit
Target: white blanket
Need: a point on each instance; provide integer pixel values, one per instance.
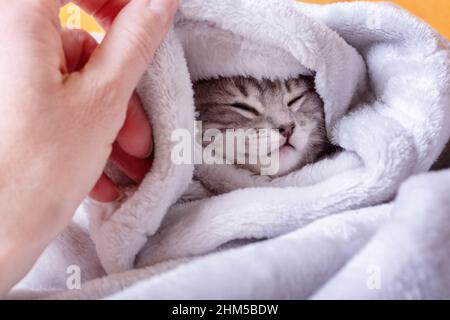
(384, 77)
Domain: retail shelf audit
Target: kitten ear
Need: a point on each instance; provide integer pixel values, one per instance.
(309, 80)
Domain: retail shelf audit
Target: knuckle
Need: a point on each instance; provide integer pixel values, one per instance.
(140, 40)
(110, 104)
(107, 91)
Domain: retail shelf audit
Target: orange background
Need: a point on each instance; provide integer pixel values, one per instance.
(435, 12)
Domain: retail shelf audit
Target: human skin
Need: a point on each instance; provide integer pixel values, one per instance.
(65, 111)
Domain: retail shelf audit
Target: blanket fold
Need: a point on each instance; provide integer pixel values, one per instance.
(384, 77)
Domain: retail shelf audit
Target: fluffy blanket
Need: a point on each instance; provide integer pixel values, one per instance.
(321, 232)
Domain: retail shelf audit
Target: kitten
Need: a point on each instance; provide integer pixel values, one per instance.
(291, 109)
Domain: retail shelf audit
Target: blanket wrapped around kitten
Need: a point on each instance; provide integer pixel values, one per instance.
(279, 121)
(282, 121)
(290, 115)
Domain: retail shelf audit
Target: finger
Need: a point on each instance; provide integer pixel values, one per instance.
(105, 190)
(134, 168)
(78, 46)
(129, 46)
(135, 137)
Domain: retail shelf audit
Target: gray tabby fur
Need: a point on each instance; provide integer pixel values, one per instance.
(291, 108)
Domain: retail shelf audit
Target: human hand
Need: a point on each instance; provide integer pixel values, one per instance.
(64, 103)
(134, 143)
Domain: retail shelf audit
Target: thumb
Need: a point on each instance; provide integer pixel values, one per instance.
(130, 44)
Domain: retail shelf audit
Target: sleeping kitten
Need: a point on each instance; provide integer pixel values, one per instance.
(291, 109)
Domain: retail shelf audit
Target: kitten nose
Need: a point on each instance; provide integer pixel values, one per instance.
(287, 130)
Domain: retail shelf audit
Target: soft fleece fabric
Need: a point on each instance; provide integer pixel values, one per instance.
(385, 79)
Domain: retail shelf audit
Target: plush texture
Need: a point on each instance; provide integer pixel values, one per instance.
(384, 77)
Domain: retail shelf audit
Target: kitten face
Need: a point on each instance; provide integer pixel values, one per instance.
(291, 110)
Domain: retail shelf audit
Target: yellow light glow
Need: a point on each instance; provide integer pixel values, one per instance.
(435, 12)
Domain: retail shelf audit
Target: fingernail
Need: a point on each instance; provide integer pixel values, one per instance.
(164, 9)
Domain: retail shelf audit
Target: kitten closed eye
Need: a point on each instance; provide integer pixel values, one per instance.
(296, 103)
(245, 107)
